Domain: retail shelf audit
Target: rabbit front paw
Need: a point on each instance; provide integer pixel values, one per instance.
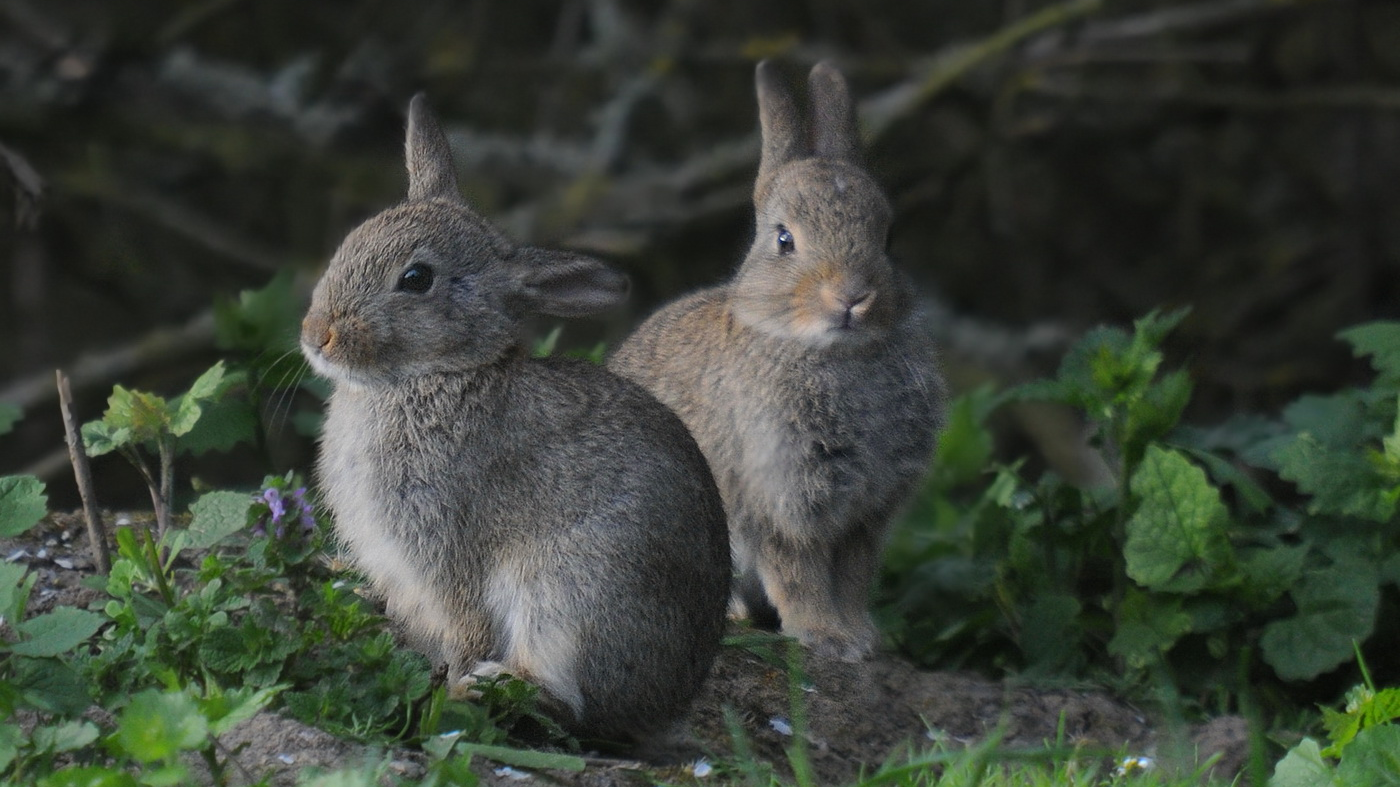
(465, 687)
(833, 644)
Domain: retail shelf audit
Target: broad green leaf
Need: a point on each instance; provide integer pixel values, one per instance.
(22, 504)
(1372, 759)
(1177, 537)
(1271, 572)
(1335, 606)
(189, 408)
(217, 515)
(100, 437)
(1340, 481)
(88, 776)
(230, 709)
(221, 426)
(145, 414)
(1303, 766)
(208, 385)
(1338, 420)
(1225, 472)
(56, 632)
(224, 650)
(157, 726)
(9, 415)
(68, 736)
(260, 320)
(1050, 631)
(1148, 626)
(14, 590)
(964, 443)
(1381, 341)
(10, 739)
(51, 686)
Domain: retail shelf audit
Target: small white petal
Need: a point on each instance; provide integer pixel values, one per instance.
(701, 769)
(780, 725)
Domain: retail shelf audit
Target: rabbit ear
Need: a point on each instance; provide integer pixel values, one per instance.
(833, 116)
(564, 284)
(430, 170)
(778, 118)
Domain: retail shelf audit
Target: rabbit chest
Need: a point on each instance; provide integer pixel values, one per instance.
(830, 439)
(393, 488)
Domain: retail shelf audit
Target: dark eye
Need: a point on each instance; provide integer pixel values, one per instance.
(785, 242)
(418, 278)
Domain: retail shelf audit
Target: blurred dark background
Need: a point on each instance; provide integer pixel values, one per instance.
(1053, 166)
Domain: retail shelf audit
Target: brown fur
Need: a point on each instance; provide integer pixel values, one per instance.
(511, 511)
(808, 380)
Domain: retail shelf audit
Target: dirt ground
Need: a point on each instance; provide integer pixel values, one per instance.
(857, 715)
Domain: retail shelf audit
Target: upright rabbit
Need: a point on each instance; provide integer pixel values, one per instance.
(510, 511)
(807, 380)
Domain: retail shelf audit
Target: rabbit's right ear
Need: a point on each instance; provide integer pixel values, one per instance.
(783, 137)
(431, 174)
(564, 284)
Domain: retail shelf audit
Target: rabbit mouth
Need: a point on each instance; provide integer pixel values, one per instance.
(337, 372)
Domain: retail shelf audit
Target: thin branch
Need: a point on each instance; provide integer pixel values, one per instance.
(82, 473)
(159, 346)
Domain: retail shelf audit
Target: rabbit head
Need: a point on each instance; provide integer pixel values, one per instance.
(817, 271)
(430, 287)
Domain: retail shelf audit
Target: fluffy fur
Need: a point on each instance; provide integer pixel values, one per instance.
(510, 511)
(808, 380)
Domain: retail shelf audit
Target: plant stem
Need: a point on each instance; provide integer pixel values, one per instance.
(82, 474)
(166, 446)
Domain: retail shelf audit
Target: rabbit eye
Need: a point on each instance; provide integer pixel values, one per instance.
(418, 278)
(786, 245)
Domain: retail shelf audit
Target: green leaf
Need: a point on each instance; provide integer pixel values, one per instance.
(232, 708)
(10, 739)
(221, 426)
(146, 415)
(1303, 766)
(1340, 481)
(68, 736)
(189, 408)
(965, 443)
(1269, 573)
(157, 726)
(22, 504)
(9, 415)
(1148, 626)
(524, 758)
(1177, 537)
(14, 590)
(1226, 472)
(1335, 606)
(217, 515)
(1337, 420)
(100, 437)
(51, 686)
(56, 632)
(224, 650)
(1381, 341)
(1372, 759)
(1050, 631)
(88, 776)
(261, 320)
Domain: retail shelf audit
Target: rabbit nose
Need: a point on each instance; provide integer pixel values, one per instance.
(852, 304)
(317, 332)
(857, 305)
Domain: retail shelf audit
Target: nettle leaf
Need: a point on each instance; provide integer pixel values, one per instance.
(189, 408)
(1303, 766)
(51, 686)
(1336, 605)
(22, 504)
(965, 443)
(1269, 573)
(232, 708)
(15, 582)
(69, 736)
(146, 415)
(1050, 630)
(88, 776)
(100, 437)
(1337, 420)
(1381, 341)
(263, 319)
(158, 726)
(221, 426)
(1148, 626)
(223, 650)
(9, 415)
(1373, 758)
(1177, 538)
(10, 738)
(1341, 482)
(216, 516)
(57, 632)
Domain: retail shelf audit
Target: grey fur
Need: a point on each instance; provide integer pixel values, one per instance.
(808, 380)
(511, 511)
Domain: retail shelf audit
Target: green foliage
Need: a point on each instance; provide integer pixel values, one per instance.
(9, 416)
(1185, 561)
(1364, 748)
(22, 504)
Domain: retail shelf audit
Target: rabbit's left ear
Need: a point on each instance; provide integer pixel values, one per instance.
(834, 131)
(431, 174)
(779, 121)
(565, 284)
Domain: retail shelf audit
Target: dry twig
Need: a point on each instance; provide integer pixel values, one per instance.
(82, 473)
